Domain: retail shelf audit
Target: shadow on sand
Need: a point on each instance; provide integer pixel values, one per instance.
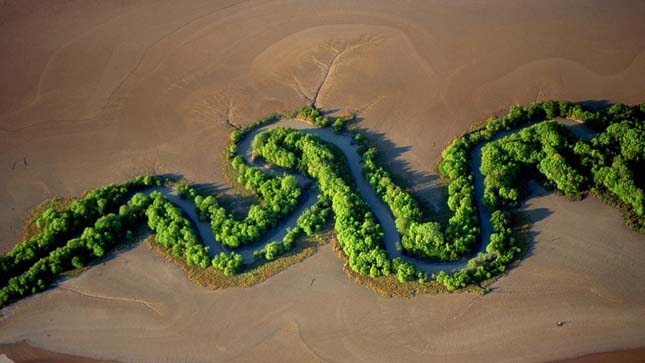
(425, 187)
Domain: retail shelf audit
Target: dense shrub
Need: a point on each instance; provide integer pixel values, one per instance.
(608, 164)
(231, 264)
(175, 232)
(59, 226)
(94, 242)
(279, 196)
(358, 233)
(309, 222)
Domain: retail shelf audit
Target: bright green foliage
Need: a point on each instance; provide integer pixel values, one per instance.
(313, 219)
(308, 223)
(279, 197)
(340, 124)
(613, 155)
(608, 165)
(310, 113)
(607, 161)
(426, 239)
(174, 231)
(94, 242)
(272, 250)
(358, 233)
(58, 227)
(404, 270)
(231, 264)
(506, 162)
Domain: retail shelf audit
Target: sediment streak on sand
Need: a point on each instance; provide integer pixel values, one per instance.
(111, 298)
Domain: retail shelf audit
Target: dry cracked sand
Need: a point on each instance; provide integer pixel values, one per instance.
(96, 92)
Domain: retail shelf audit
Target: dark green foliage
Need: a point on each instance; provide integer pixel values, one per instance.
(175, 232)
(404, 271)
(94, 242)
(425, 239)
(279, 197)
(609, 165)
(606, 163)
(619, 180)
(312, 114)
(309, 222)
(358, 233)
(340, 124)
(613, 157)
(58, 227)
(231, 264)
(463, 227)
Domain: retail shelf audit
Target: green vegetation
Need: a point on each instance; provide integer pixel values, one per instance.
(547, 151)
(309, 222)
(506, 163)
(57, 227)
(279, 196)
(425, 239)
(613, 156)
(174, 231)
(356, 229)
(572, 167)
(230, 264)
(93, 242)
(70, 234)
(544, 147)
(313, 115)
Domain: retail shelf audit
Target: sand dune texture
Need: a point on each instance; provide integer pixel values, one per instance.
(97, 92)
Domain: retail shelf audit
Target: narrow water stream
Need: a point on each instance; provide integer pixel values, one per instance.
(380, 210)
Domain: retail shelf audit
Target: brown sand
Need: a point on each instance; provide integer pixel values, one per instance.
(631, 356)
(96, 92)
(24, 353)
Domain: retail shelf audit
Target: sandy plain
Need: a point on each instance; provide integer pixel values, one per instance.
(96, 92)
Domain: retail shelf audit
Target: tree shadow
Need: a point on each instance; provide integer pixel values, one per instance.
(582, 131)
(235, 203)
(175, 177)
(330, 112)
(121, 247)
(211, 188)
(595, 105)
(426, 188)
(538, 214)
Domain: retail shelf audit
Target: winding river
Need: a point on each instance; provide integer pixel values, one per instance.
(380, 210)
